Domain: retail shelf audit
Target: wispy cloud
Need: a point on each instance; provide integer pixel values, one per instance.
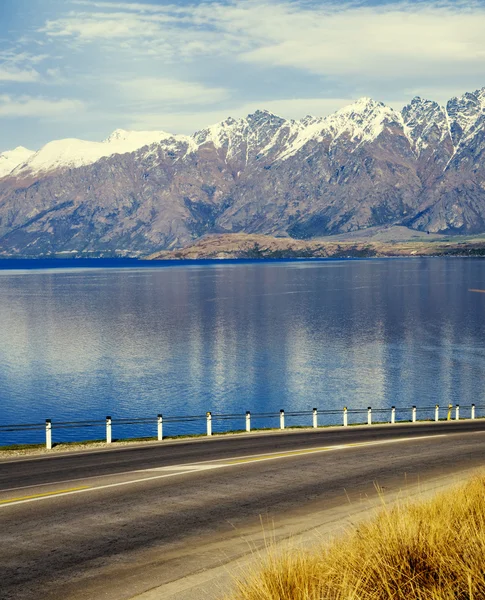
(104, 26)
(18, 75)
(18, 58)
(128, 6)
(168, 31)
(19, 67)
(399, 39)
(28, 106)
(167, 92)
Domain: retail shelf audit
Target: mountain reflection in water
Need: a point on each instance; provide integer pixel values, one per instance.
(78, 344)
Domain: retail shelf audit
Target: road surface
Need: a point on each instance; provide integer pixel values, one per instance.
(115, 523)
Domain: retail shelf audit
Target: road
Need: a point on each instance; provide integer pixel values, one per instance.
(114, 523)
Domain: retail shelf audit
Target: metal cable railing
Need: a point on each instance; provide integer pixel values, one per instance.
(302, 418)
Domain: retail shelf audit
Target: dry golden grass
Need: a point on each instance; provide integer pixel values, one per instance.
(431, 550)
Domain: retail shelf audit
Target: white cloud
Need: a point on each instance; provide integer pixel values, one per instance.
(390, 40)
(168, 91)
(18, 67)
(167, 31)
(105, 26)
(18, 75)
(395, 39)
(15, 58)
(38, 107)
(127, 6)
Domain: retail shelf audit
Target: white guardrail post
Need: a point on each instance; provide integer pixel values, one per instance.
(108, 430)
(160, 428)
(449, 416)
(48, 434)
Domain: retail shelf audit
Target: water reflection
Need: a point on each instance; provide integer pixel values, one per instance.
(229, 338)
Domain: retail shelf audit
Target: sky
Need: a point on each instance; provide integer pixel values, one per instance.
(82, 68)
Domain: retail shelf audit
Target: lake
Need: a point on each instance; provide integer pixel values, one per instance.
(183, 339)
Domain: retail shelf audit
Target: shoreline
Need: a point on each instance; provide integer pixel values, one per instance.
(253, 247)
(376, 242)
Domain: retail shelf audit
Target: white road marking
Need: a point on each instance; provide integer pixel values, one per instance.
(217, 464)
(193, 465)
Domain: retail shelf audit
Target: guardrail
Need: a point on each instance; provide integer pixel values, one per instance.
(310, 418)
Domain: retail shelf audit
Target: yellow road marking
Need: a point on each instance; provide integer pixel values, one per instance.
(44, 495)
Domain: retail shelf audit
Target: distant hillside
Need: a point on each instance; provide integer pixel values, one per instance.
(240, 245)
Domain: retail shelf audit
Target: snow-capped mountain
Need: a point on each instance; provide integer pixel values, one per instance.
(10, 159)
(365, 165)
(73, 153)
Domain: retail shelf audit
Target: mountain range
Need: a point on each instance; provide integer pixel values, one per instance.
(138, 192)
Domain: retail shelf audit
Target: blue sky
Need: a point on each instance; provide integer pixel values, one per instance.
(81, 68)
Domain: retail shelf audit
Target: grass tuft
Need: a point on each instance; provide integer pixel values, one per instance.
(430, 550)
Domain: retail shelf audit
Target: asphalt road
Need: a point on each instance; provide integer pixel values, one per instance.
(112, 524)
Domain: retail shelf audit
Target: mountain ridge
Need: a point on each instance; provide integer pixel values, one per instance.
(365, 165)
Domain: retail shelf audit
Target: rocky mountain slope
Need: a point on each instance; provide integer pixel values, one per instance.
(137, 192)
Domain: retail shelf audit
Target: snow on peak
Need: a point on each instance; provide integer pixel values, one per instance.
(218, 134)
(463, 113)
(229, 132)
(480, 94)
(264, 134)
(263, 116)
(134, 138)
(363, 107)
(73, 153)
(421, 112)
(301, 132)
(364, 102)
(118, 134)
(425, 123)
(361, 121)
(309, 120)
(11, 159)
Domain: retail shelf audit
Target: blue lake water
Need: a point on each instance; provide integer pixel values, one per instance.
(83, 343)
